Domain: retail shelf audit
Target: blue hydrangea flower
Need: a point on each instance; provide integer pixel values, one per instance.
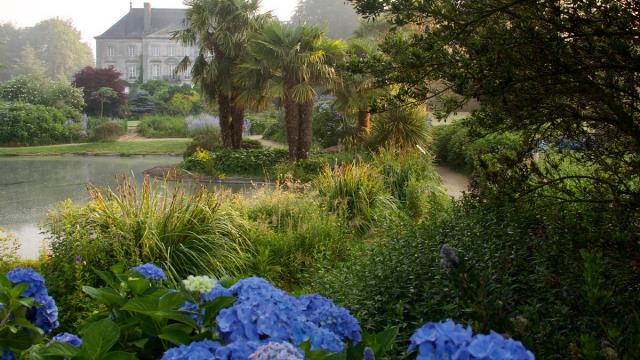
(277, 351)
(194, 312)
(495, 346)
(368, 354)
(212, 350)
(239, 350)
(44, 316)
(67, 338)
(325, 314)
(7, 355)
(150, 272)
(263, 312)
(444, 340)
(202, 350)
(218, 291)
(28, 276)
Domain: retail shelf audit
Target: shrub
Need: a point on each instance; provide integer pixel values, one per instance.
(26, 124)
(330, 128)
(109, 131)
(38, 91)
(450, 146)
(159, 126)
(292, 233)
(557, 279)
(276, 132)
(412, 180)
(401, 128)
(188, 232)
(260, 122)
(208, 139)
(203, 319)
(356, 193)
(251, 162)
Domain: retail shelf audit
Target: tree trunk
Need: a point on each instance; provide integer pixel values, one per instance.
(224, 112)
(237, 125)
(305, 130)
(364, 123)
(291, 121)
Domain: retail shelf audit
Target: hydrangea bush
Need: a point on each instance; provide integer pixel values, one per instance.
(141, 317)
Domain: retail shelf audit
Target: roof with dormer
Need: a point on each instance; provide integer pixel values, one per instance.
(131, 26)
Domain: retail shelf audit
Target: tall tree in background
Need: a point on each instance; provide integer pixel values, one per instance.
(336, 16)
(220, 30)
(92, 80)
(552, 70)
(53, 43)
(29, 64)
(357, 92)
(295, 59)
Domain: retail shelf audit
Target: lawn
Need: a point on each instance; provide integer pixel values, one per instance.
(147, 147)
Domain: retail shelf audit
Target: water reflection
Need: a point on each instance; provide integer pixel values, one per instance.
(30, 186)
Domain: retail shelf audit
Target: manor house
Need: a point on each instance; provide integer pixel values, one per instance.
(140, 46)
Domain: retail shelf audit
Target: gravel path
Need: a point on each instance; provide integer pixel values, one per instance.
(455, 182)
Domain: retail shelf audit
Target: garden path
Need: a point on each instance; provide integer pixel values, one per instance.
(455, 182)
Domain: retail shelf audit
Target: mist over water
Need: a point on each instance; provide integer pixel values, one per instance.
(31, 186)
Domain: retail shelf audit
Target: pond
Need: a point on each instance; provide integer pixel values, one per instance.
(31, 186)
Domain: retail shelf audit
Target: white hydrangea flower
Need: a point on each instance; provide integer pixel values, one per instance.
(200, 284)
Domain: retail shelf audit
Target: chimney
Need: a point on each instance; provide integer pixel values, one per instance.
(147, 17)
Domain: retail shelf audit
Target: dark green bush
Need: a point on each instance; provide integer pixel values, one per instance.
(449, 145)
(276, 132)
(331, 127)
(26, 124)
(251, 144)
(250, 162)
(260, 122)
(400, 128)
(561, 280)
(208, 138)
(162, 126)
(109, 131)
(292, 234)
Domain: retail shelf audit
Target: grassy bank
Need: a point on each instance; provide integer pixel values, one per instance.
(152, 147)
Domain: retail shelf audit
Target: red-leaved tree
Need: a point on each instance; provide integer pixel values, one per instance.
(91, 80)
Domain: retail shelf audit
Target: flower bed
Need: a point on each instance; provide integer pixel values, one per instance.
(140, 317)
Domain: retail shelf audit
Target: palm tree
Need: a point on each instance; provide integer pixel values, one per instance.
(220, 30)
(293, 59)
(358, 91)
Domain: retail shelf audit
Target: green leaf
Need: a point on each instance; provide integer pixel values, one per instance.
(107, 278)
(140, 343)
(381, 342)
(119, 355)
(117, 269)
(175, 336)
(106, 296)
(99, 337)
(212, 308)
(171, 301)
(18, 290)
(55, 350)
(138, 285)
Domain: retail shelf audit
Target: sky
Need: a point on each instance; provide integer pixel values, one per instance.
(93, 17)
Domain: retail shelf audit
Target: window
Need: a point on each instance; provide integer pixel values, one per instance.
(132, 71)
(155, 71)
(171, 50)
(172, 72)
(155, 51)
(110, 52)
(132, 51)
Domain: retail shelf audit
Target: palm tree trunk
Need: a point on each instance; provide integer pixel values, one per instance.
(224, 111)
(291, 120)
(364, 122)
(237, 125)
(305, 137)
